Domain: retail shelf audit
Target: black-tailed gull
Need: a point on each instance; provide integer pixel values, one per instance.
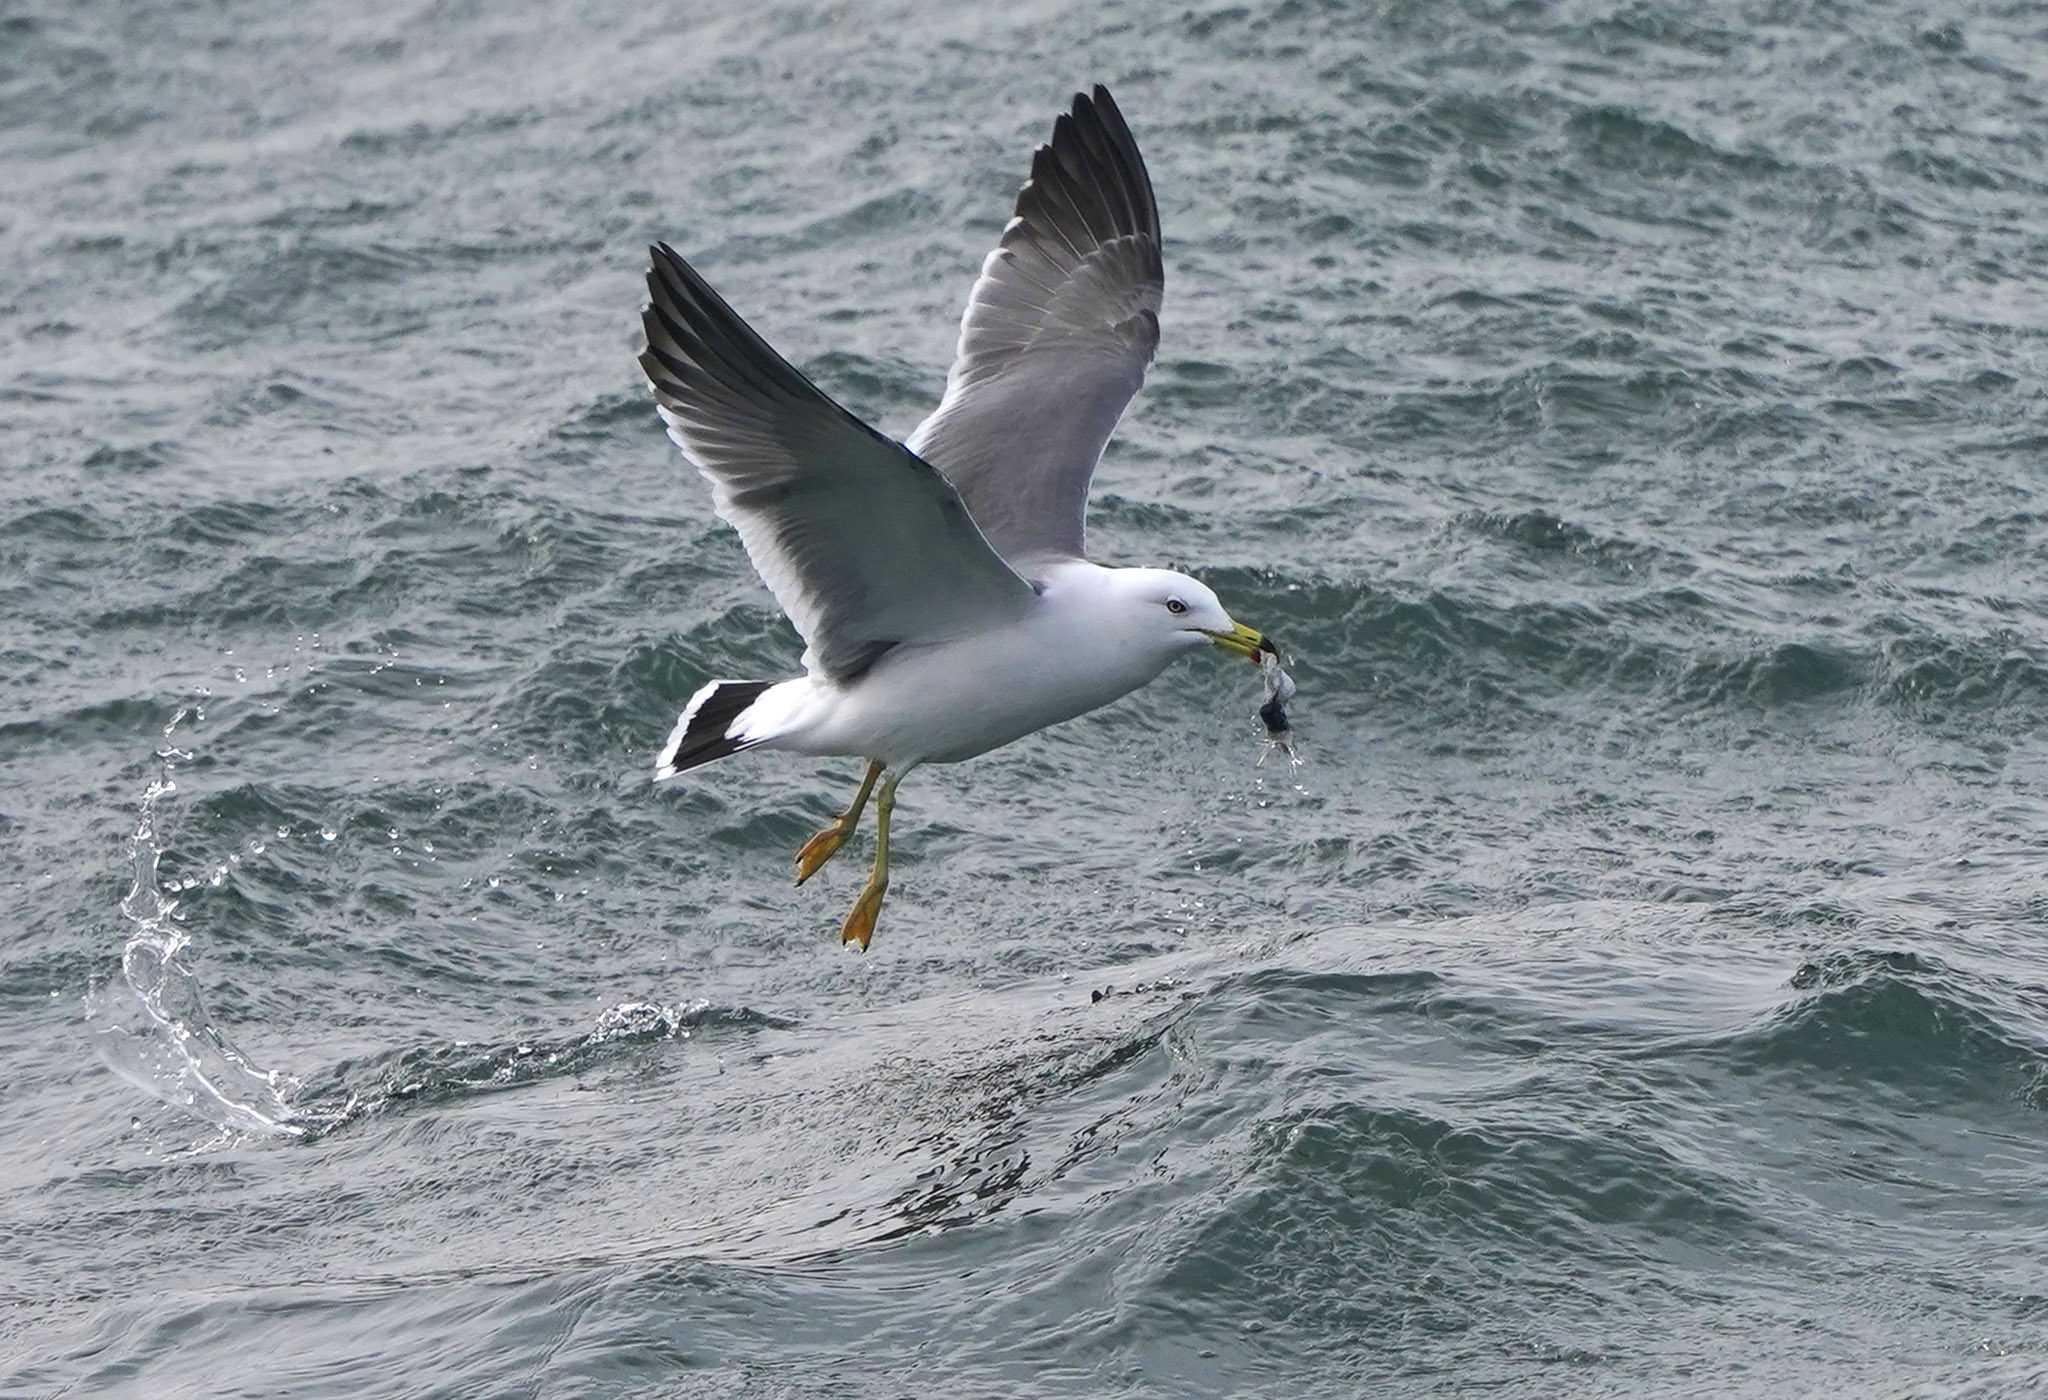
(940, 584)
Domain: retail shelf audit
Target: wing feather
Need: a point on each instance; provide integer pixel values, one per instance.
(1056, 338)
(863, 544)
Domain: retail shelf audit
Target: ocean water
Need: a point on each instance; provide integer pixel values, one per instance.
(1628, 416)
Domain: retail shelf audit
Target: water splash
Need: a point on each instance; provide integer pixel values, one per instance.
(165, 1042)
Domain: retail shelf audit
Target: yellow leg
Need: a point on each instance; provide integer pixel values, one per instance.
(860, 922)
(826, 844)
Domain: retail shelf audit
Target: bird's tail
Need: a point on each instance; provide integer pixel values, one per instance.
(713, 725)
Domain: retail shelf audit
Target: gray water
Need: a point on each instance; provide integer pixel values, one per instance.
(1628, 416)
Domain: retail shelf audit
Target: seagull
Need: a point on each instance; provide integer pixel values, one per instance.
(940, 584)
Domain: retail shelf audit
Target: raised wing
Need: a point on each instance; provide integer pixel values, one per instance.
(862, 543)
(1056, 338)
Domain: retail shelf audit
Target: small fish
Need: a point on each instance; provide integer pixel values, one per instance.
(1279, 690)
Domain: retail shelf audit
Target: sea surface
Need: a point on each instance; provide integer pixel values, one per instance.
(1628, 417)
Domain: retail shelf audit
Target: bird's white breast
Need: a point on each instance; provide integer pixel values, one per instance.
(942, 702)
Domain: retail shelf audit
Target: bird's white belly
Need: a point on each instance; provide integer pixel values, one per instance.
(947, 701)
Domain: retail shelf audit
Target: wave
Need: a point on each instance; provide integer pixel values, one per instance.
(1620, 139)
(430, 1075)
(1906, 1020)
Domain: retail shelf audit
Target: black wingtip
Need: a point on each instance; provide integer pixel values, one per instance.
(668, 272)
(1097, 97)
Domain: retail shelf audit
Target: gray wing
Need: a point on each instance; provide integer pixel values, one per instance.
(1056, 338)
(862, 543)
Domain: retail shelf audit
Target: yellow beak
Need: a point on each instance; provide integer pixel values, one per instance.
(1240, 639)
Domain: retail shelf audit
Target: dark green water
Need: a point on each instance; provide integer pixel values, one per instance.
(1630, 416)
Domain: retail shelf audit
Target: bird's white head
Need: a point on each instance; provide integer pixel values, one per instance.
(1170, 612)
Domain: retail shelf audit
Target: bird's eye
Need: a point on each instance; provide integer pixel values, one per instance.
(1176, 606)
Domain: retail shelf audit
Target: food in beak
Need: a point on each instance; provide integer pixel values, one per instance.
(1279, 690)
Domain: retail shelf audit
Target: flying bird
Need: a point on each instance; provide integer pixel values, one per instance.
(940, 584)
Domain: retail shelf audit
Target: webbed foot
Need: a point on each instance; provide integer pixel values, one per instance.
(821, 848)
(860, 921)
